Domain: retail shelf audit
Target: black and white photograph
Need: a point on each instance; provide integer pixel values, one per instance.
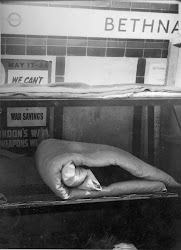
(90, 124)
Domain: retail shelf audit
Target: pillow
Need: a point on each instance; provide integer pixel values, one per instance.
(79, 177)
(53, 155)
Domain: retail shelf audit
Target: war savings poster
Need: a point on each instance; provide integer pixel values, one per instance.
(20, 126)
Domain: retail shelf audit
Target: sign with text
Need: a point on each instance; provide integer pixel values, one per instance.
(25, 71)
(27, 76)
(26, 117)
(10, 138)
(19, 19)
(20, 139)
(20, 128)
(155, 71)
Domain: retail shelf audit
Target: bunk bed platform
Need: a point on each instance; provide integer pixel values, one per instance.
(37, 201)
(58, 96)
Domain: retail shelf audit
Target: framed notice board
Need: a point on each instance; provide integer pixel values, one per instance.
(27, 69)
(20, 126)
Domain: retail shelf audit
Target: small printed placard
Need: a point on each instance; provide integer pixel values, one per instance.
(28, 76)
(26, 117)
(155, 71)
(25, 71)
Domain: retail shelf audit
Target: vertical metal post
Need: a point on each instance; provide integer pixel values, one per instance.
(58, 120)
(151, 135)
(136, 139)
(164, 132)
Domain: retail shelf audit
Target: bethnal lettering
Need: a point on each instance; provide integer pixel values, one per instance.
(137, 25)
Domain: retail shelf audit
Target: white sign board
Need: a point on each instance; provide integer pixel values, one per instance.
(155, 71)
(3, 74)
(28, 76)
(100, 70)
(21, 70)
(53, 21)
(26, 117)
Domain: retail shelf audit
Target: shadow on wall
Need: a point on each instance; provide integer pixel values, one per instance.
(104, 125)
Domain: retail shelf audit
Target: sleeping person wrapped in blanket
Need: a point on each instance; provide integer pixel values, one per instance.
(67, 167)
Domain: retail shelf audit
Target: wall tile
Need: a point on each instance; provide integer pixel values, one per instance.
(156, 11)
(60, 66)
(76, 51)
(164, 53)
(96, 38)
(77, 42)
(63, 4)
(56, 41)
(105, 3)
(79, 3)
(165, 44)
(120, 9)
(159, 40)
(117, 39)
(115, 52)
(36, 50)
(80, 7)
(36, 41)
(122, 5)
(153, 53)
(96, 51)
(116, 44)
(3, 49)
(38, 3)
(133, 44)
(159, 6)
(3, 40)
(173, 7)
(68, 3)
(173, 11)
(100, 8)
(169, 12)
(142, 10)
(33, 3)
(135, 40)
(141, 67)
(12, 35)
(15, 50)
(56, 50)
(59, 79)
(57, 37)
(134, 53)
(97, 43)
(76, 37)
(140, 5)
(151, 40)
(15, 40)
(139, 79)
(156, 45)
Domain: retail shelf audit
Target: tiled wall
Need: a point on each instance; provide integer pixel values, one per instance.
(74, 46)
(104, 4)
(81, 46)
(96, 125)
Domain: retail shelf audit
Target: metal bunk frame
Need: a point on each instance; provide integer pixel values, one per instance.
(59, 105)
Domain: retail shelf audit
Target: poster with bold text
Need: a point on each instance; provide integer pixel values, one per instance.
(20, 130)
(25, 71)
